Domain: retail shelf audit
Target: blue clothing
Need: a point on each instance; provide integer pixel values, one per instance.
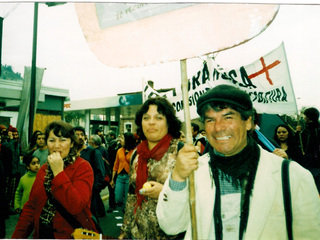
(97, 166)
(121, 190)
(42, 155)
(104, 152)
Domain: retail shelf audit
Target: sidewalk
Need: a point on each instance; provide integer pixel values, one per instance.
(110, 224)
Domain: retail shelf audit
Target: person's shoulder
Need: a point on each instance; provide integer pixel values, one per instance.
(37, 151)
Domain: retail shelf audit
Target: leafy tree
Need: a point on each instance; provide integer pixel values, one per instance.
(9, 74)
(73, 117)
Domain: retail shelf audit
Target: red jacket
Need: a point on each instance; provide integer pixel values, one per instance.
(72, 188)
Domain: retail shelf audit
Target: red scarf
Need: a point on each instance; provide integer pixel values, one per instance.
(144, 154)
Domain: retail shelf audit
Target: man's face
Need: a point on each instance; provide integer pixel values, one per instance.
(15, 135)
(226, 131)
(81, 137)
(91, 142)
(41, 140)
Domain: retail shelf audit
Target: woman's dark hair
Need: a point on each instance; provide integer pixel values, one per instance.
(290, 139)
(312, 113)
(27, 159)
(165, 108)
(129, 141)
(33, 141)
(64, 129)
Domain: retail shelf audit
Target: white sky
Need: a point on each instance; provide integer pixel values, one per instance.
(70, 64)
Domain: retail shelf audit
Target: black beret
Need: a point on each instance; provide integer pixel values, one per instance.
(225, 94)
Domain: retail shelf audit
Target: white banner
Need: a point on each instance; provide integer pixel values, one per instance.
(266, 80)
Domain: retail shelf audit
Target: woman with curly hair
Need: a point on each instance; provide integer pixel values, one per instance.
(159, 129)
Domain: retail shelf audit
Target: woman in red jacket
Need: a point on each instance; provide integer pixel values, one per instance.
(65, 178)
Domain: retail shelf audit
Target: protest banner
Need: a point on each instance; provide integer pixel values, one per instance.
(267, 81)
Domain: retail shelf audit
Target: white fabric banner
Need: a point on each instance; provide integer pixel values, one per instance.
(266, 80)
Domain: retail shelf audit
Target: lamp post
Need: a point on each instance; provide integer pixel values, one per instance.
(32, 110)
(33, 71)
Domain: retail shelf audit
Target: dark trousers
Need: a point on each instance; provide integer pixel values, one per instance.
(112, 201)
(94, 202)
(12, 182)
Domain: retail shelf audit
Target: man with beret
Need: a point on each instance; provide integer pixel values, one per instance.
(237, 183)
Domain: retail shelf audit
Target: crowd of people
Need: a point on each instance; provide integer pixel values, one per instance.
(238, 183)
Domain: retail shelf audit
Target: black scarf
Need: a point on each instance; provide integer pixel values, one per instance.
(241, 170)
(49, 210)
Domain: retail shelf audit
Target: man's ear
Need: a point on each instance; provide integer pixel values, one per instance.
(249, 123)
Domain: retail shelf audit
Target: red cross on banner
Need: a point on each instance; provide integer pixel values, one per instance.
(265, 69)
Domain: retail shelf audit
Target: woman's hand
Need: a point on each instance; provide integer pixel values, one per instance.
(154, 191)
(56, 163)
(112, 183)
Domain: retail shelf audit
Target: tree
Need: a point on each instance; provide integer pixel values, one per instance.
(9, 74)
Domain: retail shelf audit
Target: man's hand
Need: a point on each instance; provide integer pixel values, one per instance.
(298, 128)
(280, 152)
(187, 161)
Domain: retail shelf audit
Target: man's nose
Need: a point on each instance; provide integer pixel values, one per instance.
(219, 125)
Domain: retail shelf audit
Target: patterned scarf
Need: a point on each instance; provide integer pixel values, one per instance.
(49, 210)
(144, 154)
(241, 170)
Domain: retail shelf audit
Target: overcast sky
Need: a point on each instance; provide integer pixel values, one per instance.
(70, 64)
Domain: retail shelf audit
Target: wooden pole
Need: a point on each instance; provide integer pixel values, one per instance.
(192, 194)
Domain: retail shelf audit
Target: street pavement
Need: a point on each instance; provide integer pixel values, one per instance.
(110, 223)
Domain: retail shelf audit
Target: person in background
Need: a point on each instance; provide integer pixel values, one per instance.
(10, 135)
(121, 168)
(3, 135)
(33, 142)
(42, 151)
(3, 202)
(310, 144)
(11, 151)
(203, 132)
(66, 180)
(94, 157)
(198, 139)
(99, 132)
(95, 142)
(238, 187)
(284, 137)
(159, 130)
(112, 152)
(23, 191)
(182, 137)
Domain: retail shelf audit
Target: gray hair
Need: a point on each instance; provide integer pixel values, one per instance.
(96, 139)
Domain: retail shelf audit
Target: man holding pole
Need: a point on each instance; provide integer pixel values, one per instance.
(238, 185)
